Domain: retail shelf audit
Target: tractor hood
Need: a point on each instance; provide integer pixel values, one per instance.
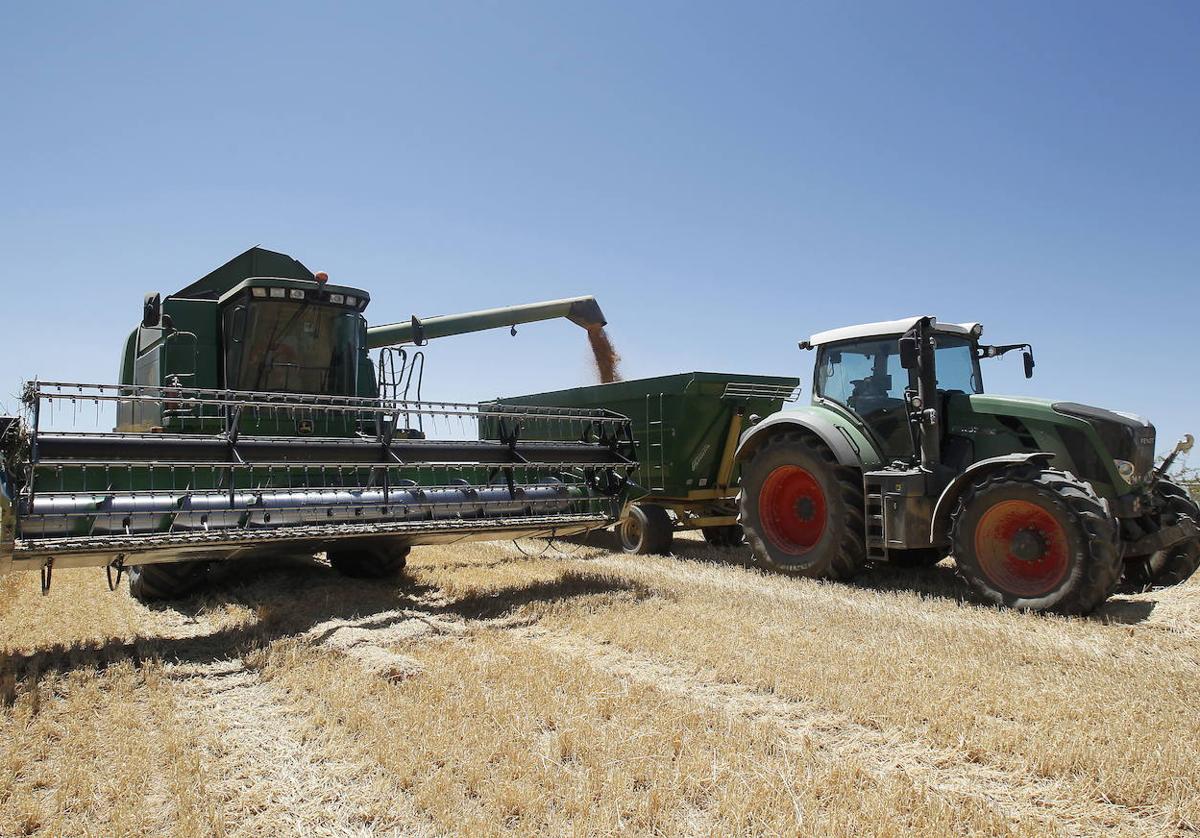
(1118, 435)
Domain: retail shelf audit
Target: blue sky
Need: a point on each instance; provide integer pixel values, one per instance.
(726, 179)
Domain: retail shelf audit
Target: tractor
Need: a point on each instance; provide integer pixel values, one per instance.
(902, 458)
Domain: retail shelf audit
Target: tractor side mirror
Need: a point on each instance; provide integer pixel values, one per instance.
(1027, 356)
(151, 310)
(910, 355)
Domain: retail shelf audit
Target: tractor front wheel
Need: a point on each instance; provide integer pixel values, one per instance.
(646, 529)
(801, 510)
(1036, 539)
(369, 562)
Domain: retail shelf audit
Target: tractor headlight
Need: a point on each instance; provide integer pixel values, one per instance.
(1126, 469)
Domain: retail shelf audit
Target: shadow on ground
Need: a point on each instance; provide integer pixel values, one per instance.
(292, 595)
(940, 581)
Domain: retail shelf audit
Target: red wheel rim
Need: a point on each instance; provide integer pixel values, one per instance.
(1022, 548)
(791, 505)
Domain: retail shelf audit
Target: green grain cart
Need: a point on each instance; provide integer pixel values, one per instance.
(249, 419)
(685, 429)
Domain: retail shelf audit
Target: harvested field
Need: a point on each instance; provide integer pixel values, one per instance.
(493, 693)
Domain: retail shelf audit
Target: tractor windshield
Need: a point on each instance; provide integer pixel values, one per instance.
(282, 346)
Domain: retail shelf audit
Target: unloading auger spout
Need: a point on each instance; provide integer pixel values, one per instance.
(582, 311)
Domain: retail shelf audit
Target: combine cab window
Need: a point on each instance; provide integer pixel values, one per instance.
(292, 347)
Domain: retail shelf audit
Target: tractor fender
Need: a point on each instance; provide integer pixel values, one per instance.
(849, 446)
(950, 495)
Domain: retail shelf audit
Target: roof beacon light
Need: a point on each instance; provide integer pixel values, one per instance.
(321, 277)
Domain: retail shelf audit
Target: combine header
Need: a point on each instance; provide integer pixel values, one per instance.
(249, 421)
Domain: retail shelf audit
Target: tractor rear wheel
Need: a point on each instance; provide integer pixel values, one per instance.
(166, 580)
(728, 536)
(1177, 563)
(368, 562)
(801, 510)
(646, 528)
(1037, 539)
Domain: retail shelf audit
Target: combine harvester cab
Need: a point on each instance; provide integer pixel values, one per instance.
(686, 428)
(248, 421)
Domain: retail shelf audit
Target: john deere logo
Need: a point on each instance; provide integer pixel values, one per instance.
(304, 426)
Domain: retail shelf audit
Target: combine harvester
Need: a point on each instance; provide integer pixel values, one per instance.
(249, 421)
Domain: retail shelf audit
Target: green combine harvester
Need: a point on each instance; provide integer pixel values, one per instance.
(250, 420)
(903, 458)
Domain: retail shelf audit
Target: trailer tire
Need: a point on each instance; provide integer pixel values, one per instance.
(646, 529)
(166, 580)
(731, 535)
(1071, 560)
(369, 562)
(801, 510)
(1177, 563)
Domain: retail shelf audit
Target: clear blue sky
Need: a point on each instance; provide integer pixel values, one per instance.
(726, 179)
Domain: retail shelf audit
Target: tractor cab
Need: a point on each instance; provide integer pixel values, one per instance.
(862, 372)
(875, 373)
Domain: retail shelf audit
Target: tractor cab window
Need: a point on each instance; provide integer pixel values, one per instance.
(957, 366)
(867, 378)
(282, 346)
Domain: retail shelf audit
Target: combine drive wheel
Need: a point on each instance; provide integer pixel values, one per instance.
(645, 529)
(723, 537)
(1037, 539)
(802, 512)
(165, 580)
(368, 562)
(1177, 563)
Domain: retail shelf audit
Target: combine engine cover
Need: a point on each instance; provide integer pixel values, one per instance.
(225, 474)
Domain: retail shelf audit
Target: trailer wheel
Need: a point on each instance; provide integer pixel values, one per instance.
(369, 562)
(646, 529)
(728, 536)
(801, 510)
(1179, 562)
(1036, 539)
(166, 580)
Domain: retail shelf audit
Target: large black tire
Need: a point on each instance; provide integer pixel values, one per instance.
(646, 529)
(166, 580)
(368, 562)
(1179, 562)
(725, 537)
(801, 510)
(1036, 539)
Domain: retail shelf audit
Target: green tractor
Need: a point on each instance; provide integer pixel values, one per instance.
(902, 458)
